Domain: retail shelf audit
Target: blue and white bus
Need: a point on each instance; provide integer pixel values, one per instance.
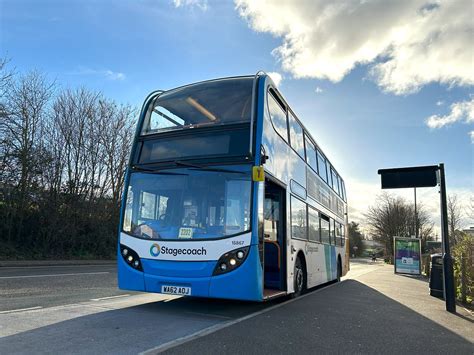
(227, 195)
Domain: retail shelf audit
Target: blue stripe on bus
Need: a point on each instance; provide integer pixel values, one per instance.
(333, 263)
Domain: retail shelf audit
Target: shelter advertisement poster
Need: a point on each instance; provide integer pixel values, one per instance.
(407, 256)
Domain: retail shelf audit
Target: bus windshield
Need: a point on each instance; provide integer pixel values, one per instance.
(186, 204)
(208, 103)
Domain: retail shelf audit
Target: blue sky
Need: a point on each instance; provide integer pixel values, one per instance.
(348, 80)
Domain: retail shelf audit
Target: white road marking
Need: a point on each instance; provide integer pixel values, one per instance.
(54, 275)
(56, 266)
(209, 315)
(108, 298)
(216, 327)
(20, 310)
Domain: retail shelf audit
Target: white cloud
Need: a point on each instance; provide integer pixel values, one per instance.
(472, 136)
(407, 43)
(200, 4)
(459, 112)
(439, 103)
(109, 74)
(318, 90)
(106, 73)
(276, 77)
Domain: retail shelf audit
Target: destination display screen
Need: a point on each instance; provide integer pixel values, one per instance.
(228, 143)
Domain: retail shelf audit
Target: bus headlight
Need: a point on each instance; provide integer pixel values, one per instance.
(230, 261)
(131, 257)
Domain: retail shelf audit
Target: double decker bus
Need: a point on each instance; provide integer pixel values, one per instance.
(227, 195)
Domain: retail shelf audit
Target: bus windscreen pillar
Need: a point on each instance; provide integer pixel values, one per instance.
(427, 176)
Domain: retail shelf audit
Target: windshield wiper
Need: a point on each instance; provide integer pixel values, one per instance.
(154, 171)
(205, 168)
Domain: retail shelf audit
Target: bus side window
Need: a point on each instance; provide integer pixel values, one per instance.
(313, 223)
(343, 236)
(296, 135)
(298, 219)
(328, 168)
(278, 116)
(344, 197)
(339, 188)
(325, 229)
(311, 154)
(332, 232)
(338, 234)
(335, 185)
(322, 167)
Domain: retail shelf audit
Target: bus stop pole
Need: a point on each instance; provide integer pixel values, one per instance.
(447, 259)
(416, 218)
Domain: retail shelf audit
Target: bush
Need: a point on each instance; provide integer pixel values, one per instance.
(463, 254)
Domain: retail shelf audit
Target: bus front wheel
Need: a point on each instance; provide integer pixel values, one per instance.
(299, 278)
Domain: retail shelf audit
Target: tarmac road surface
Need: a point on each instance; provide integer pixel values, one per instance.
(79, 310)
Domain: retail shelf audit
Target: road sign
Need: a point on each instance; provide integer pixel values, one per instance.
(418, 176)
(427, 176)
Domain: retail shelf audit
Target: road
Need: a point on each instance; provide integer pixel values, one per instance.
(79, 310)
(47, 286)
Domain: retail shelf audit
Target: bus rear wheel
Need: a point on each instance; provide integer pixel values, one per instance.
(339, 270)
(299, 278)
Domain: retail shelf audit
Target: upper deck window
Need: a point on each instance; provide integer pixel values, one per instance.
(278, 116)
(335, 185)
(311, 154)
(213, 102)
(343, 189)
(296, 135)
(322, 167)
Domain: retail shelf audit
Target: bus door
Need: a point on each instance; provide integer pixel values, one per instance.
(274, 241)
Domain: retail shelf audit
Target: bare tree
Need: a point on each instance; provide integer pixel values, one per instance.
(454, 218)
(22, 131)
(63, 161)
(392, 216)
(117, 139)
(6, 77)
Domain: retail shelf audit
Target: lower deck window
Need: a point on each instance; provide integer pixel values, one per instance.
(325, 238)
(298, 219)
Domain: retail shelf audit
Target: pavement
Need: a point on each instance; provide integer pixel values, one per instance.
(371, 311)
(374, 313)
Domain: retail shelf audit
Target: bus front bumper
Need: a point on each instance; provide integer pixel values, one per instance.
(243, 283)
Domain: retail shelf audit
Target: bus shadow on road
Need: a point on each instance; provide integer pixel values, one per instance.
(209, 307)
(358, 314)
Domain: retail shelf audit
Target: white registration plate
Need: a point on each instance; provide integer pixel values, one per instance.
(176, 290)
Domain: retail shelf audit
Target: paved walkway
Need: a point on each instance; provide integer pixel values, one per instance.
(373, 313)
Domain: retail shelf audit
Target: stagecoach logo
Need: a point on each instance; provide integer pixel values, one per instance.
(155, 249)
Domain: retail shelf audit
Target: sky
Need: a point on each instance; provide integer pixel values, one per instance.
(379, 84)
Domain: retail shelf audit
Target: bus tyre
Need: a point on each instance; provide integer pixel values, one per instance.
(299, 278)
(339, 270)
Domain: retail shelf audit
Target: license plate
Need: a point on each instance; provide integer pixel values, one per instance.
(176, 290)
